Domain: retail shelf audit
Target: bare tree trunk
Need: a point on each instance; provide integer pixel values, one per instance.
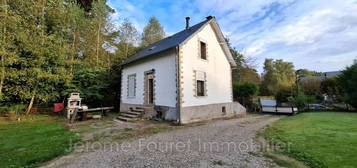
(74, 50)
(98, 41)
(3, 55)
(126, 50)
(29, 107)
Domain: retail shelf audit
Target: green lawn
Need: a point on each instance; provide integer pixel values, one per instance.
(29, 143)
(319, 139)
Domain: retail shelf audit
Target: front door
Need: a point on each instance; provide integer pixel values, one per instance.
(149, 88)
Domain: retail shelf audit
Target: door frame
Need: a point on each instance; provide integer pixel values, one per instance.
(147, 76)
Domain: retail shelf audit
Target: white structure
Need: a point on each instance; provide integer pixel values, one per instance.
(73, 102)
(184, 77)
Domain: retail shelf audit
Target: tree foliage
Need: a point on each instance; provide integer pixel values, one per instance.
(153, 32)
(279, 76)
(310, 86)
(348, 82)
(50, 48)
(244, 71)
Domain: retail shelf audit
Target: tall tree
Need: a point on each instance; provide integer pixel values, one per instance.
(278, 76)
(76, 23)
(37, 70)
(153, 32)
(128, 35)
(348, 82)
(4, 42)
(96, 33)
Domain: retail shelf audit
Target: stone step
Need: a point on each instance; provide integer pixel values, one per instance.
(137, 109)
(121, 118)
(131, 112)
(129, 115)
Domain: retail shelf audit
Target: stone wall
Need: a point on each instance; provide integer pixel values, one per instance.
(211, 111)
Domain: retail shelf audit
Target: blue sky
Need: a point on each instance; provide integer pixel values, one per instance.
(319, 35)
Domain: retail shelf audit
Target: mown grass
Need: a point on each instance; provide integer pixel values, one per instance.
(30, 143)
(320, 139)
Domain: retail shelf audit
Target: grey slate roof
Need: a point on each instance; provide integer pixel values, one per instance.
(166, 43)
(320, 78)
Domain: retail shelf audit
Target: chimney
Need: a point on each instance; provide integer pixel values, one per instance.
(187, 23)
(209, 17)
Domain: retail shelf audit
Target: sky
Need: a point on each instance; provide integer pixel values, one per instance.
(319, 35)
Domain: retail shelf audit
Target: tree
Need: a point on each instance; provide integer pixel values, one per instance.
(152, 33)
(243, 72)
(310, 86)
(308, 73)
(76, 22)
(348, 82)
(279, 76)
(38, 69)
(332, 89)
(128, 36)
(248, 75)
(98, 34)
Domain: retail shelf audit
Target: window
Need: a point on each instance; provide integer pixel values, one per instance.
(200, 88)
(224, 109)
(131, 85)
(203, 50)
(200, 78)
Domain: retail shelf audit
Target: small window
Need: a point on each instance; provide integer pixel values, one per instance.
(131, 85)
(224, 109)
(200, 88)
(203, 50)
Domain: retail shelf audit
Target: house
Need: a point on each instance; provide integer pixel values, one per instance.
(324, 76)
(185, 77)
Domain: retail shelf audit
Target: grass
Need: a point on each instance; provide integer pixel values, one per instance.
(31, 142)
(320, 139)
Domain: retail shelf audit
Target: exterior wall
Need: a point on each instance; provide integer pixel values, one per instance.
(164, 65)
(211, 111)
(216, 67)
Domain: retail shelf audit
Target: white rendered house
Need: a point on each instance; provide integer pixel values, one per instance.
(185, 77)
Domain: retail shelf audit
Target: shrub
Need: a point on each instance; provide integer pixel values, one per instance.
(348, 82)
(301, 101)
(245, 89)
(13, 109)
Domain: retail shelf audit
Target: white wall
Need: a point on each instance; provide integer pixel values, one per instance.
(217, 68)
(165, 79)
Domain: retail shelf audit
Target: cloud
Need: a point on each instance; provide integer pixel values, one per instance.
(313, 34)
(313, 37)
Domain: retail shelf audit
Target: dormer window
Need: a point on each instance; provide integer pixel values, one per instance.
(203, 50)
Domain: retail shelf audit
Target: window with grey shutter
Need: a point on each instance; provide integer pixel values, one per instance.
(131, 85)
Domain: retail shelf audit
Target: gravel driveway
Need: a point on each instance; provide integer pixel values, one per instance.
(222, 143)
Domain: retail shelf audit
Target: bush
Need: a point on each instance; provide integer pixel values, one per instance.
(301, 101)
(283, 95)
(348, 82)
(13, 109)
(243, 92)
(245, 89)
